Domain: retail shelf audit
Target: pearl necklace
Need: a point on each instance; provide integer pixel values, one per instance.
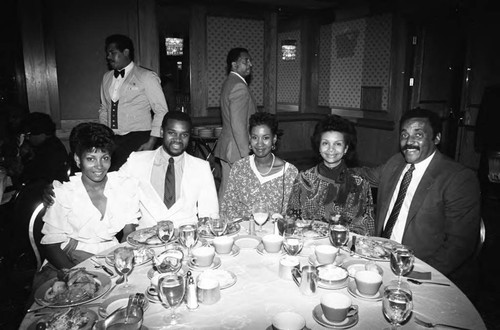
(270, 169)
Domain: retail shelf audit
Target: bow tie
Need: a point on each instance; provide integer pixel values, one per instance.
(119, 73)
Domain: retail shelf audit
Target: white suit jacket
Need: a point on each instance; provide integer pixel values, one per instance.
(198, 197)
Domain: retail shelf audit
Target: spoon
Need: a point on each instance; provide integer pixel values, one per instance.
(411, 280)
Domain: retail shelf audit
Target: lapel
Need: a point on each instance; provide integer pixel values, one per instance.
(394, 173)
(423, 187)
(106, 84)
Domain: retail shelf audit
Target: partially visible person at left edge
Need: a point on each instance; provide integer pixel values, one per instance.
(91, 208)
(128, 95)
(438, 215)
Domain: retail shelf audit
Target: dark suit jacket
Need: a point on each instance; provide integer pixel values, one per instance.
(443, 221)
(237, 105)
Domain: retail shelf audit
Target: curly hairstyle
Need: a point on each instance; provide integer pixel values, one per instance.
(121, 42)
(432, 117)
(91, 136)
(233, 56)
(263, 118)
(341, 125)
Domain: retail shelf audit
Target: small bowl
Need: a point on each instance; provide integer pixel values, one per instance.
(332, 275)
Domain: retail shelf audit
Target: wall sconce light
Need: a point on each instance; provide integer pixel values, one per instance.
(174, 46)
(288, 50)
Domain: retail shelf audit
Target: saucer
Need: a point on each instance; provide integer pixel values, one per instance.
(110, 305)
(339, 260)
(215, 264)
(340, 285)
(261, 250)
(247, 241)
(234, 252)
(349, 322)
(355, 265)
(353, 290)
(225, 278)
(154, 299)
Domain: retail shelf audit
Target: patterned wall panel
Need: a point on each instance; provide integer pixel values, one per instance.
(226, 33)
(289, 71)
(353, 54)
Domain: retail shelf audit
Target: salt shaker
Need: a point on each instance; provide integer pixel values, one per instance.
(251, 226)
(191, 294)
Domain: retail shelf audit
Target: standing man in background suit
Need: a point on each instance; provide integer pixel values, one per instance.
(128, 95)
(237, 105)
(438, 215)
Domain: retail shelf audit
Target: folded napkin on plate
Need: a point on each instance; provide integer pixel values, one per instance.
(419, 275)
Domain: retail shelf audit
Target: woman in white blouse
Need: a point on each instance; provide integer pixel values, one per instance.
(91, 208)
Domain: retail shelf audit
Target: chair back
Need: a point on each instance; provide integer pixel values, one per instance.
(35, 233)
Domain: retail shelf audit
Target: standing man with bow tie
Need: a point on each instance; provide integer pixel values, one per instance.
(128, 95)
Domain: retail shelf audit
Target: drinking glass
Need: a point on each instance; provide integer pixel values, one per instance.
(339, 233)
(124, 262)
(260, 212)
(165, 230)
(293, 241)
(402, 259)
(217, 224)
(188, 236)
(397, 303)
(172, 288)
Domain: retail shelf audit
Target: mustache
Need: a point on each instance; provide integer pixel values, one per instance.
(406, 147)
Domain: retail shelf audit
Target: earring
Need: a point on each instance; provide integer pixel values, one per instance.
(250, 146)
(273, 147)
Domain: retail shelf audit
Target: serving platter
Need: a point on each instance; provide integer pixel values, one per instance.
(149, 254)
(373, 248)
(145, 237)
(85, 312)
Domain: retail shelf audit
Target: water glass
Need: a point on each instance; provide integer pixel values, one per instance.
(260, 212)
(188, 236)
(293, 241)
(402, 259)
(165, 230)
(397, 303)
(172, 288)
(124, 261)
(339, 233)
(217, 225)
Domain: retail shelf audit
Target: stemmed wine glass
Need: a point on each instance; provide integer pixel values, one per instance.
(188, 236)
(260, 212)
(402, 259)
(172, 288)
(217, 224)
(339, 233)
(293, 241)
(397, 303)
(124, 262)
(165, 230)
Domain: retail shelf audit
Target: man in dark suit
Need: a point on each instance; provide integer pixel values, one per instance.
(439, 214)
(237, 105)
(128, 95)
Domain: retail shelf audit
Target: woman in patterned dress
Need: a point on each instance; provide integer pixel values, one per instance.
(261, 176)
(331, 188)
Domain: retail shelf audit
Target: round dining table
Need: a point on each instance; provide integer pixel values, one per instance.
(259, 294)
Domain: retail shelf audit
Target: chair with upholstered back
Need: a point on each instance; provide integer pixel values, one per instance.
(35, 233)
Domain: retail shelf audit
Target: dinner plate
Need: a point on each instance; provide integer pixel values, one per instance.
(318, 230)
(319, 317)
(110, 258)
(355, 265)
(215, 264)
(247, 241)
(110, 305)
(231, 230)
(102, 279)
(353, 290)
(225, 278)
(261, 250)
(373, 248)
(88, 313)
(139, 237)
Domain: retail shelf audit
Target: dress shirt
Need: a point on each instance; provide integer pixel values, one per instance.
(114, 89)
(159, 171)
(418, 173)
(237, 74)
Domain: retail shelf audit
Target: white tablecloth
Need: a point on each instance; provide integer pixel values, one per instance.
(259, 294)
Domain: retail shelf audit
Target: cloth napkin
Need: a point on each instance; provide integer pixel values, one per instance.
(419, 275)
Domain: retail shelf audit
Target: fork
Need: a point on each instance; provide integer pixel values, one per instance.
(98, 265)
(434, 325)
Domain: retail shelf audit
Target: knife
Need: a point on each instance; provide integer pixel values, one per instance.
(106, 269)
(353, 246)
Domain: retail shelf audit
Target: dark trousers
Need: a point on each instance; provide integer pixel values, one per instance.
(125, 145)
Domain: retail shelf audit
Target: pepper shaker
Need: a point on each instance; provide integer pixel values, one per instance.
(191, 294)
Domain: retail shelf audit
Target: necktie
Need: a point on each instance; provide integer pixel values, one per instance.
(399, 202)
(119, 73)
(169, 195)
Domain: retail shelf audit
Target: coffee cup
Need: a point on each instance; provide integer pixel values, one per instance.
(325, 254)
(288, 321)
(287, 263)
(368, 282)
(153, 285)
(203, 256)
(337, 306)
(208, 291)
(223, 244)
(272, 243)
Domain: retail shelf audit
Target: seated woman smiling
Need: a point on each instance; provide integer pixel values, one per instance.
(331, 188)
(91, 208)
(260, 177)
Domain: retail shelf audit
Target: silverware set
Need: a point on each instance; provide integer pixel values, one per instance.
(434, 325)
(411, 280)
